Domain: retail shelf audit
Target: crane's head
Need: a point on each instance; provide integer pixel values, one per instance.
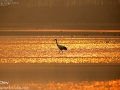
(55, 39)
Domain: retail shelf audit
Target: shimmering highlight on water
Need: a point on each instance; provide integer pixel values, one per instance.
(84, 85)
(44, 50)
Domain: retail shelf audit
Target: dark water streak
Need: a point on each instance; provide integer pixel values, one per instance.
(58, 72)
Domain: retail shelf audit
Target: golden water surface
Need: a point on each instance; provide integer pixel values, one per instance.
(84, 85)
(14, 49)
(43, 49)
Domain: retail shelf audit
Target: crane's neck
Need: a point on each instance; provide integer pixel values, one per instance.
(56, 42)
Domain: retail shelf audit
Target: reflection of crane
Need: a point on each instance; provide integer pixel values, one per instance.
(60, 46)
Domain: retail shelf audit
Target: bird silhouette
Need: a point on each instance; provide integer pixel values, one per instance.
(60, 46)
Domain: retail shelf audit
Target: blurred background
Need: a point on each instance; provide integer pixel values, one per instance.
(104, 14)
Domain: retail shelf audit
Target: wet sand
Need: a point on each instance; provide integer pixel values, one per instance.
(59, 72)
(42, 73)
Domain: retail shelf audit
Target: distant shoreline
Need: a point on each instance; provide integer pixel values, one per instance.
(61, 29)
(63, 26)
(60, 32)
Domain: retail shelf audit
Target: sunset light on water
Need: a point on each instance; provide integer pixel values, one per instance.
(84, 85)
(44, 50)
(59, 45)
(35, 63)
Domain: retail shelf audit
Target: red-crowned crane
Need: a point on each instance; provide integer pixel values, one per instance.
(60, 46)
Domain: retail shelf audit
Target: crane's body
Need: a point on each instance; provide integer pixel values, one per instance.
(60, 46)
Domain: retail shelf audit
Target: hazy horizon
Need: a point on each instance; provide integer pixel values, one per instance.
(59, 11)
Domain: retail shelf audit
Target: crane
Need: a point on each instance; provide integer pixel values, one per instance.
(60, 46)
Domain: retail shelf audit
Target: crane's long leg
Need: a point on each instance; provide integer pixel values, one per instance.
(60, 51)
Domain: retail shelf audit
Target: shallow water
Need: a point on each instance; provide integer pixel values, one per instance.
(85, 85)
(44, 50)
(34, 63)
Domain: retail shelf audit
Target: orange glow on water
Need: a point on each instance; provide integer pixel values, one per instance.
(83, 85)
(60, 60)
(44, 50)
